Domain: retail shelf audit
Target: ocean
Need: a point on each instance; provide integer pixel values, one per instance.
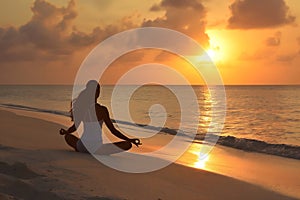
(263, 119)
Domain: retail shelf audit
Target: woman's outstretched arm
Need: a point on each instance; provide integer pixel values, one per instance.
(70, 130)
(103, 113)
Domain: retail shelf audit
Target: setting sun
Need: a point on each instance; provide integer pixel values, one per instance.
(214, 55)
(210, 55)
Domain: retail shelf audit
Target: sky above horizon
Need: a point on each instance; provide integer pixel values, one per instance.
(250, 41)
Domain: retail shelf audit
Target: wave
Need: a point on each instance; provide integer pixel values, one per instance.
(28, 108)
(251, 145)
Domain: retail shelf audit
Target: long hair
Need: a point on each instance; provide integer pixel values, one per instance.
(84, 101)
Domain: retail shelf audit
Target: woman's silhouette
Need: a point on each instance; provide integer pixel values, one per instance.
(85, 109)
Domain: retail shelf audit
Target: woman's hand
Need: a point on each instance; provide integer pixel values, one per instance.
(63, 131)
(135, 141)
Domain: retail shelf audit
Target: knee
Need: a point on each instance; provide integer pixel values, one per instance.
(71, 140)
(67, 137)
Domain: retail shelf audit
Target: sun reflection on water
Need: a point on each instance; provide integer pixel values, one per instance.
(201, 163)
(197, 159)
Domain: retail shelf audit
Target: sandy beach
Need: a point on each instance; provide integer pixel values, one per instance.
(202, 96)
(37, 164)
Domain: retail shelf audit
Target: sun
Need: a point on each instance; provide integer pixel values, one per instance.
(214, 55)
(210, 55)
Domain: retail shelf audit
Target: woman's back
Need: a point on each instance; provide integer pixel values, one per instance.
(92, 129)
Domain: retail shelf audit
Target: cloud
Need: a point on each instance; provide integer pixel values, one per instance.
(182, 4)
(287, 57)
(255, 56)
(49, 44)
(274, 40)
(255, 14)
(155, 8)
(51, 34)
(186, 16)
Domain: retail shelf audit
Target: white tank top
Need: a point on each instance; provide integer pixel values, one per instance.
(92, 132)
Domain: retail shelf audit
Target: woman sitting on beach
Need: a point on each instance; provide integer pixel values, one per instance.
(86, 109)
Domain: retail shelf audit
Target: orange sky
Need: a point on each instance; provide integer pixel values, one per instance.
(251, 41)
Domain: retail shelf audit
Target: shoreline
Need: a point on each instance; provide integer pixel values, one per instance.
(218, 162)
(285, 150)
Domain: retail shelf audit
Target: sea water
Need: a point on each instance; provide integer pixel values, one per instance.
(266, 117)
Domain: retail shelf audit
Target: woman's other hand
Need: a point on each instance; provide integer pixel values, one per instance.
(135, 141)
(63, 131)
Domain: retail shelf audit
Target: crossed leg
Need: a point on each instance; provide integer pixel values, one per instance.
(112, 148)
(105, 149)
